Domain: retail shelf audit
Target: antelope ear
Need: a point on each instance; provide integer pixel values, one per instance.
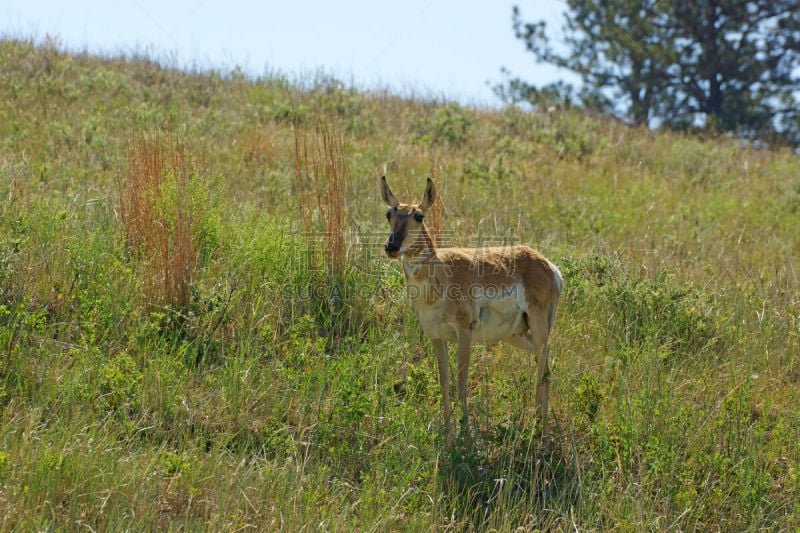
(429, 197)
(388, 196)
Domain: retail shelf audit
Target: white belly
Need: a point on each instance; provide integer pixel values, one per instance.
(434, 326)
(497, 321)
(496, 316)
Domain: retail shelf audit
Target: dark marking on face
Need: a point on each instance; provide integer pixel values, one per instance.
(399, 228)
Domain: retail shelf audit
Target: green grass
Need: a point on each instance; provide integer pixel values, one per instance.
(288, 395)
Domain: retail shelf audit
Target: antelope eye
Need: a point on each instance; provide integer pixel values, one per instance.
(388, 214)
(418, 217)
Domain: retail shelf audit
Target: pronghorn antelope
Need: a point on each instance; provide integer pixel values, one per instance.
(466, 295)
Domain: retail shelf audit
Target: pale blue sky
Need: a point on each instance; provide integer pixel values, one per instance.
(441, 48)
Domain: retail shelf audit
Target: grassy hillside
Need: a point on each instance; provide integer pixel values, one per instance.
(275, 386)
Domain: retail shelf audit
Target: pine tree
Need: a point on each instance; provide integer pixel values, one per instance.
(723, 65)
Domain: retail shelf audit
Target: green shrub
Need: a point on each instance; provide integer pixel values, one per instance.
(642, 311)
(450, 125)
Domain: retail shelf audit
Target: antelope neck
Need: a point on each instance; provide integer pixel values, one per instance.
(421, 251)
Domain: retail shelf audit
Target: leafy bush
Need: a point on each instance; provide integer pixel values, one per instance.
(450, 125)
(642, 312)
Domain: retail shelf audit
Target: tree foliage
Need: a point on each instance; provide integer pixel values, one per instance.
(724, 65)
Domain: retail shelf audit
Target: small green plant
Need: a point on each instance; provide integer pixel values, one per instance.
(174, 464)
(3, 463)
(587, 397)
(118, 385)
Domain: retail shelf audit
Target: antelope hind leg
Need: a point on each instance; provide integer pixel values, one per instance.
(464, 352)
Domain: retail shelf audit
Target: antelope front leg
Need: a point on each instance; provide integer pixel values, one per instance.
(543, 387)
(440, 348)
(464, 350)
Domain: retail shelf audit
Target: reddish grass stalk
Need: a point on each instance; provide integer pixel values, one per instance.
(321, 171)
(157, 215)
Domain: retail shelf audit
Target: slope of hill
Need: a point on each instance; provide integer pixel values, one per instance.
(281, 381)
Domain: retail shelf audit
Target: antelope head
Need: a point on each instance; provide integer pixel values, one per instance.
(406, 221)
